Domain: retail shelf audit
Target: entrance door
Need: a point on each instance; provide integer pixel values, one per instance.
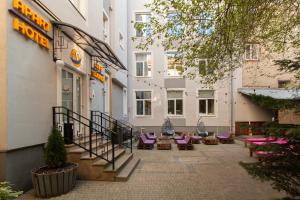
(71, 91)
(67, 89)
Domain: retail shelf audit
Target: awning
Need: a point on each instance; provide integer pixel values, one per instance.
(276, 93)
(93, 46)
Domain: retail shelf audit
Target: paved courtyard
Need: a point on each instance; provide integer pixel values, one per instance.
(208, 172)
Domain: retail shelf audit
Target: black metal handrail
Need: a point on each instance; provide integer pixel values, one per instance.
(76, 129)
(122, 131)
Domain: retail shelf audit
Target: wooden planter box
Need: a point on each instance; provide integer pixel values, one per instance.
(54, 183)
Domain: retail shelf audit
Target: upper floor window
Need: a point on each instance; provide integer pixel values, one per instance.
(105, 27)
(174, 65)
(251, 52)
(143, 64)
(125, 108)
(175, 102)
(144, 19)
(143, 103)
(205, 25)
(175, 27)
(121, 41)
(206, 102)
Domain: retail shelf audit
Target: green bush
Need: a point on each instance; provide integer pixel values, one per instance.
(55, 151)
(7, 193)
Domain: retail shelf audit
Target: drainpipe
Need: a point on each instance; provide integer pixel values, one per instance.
(231, 103)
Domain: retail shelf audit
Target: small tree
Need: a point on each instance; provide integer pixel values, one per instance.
(55, 151)
(7, 193)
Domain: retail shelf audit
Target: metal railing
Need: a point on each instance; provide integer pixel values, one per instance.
(122, 132)
(89, 135)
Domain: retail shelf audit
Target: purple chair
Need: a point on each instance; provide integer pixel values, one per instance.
(150, 136)
(144, 143)
(185, 144)
(180, 137)
(225, 137)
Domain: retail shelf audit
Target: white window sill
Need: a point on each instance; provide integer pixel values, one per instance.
(173, 76)
(204, 115)
(176, 116)
(143, 116)
(143, 76)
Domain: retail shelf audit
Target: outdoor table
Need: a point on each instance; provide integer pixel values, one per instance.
(164, 145)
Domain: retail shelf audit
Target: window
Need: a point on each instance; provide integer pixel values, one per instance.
(143, 18)
(251, 51)
(174, 65)
(121, 41)
(283, 83)
(205, 26)
(206, 102)
(143, 103)
(143, 64)
(105, 27)
(125, 106)
(175, 27)
(175, 102)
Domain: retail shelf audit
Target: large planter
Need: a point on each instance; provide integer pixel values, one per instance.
(54, 182)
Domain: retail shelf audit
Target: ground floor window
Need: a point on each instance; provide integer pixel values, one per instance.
(175, 102)
(206, 102)
(143, 103)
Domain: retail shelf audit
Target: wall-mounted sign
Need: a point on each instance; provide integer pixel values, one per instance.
(75, 57)
(27, 29)
(97, 72)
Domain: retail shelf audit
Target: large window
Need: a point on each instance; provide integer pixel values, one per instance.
(206, 102)
(143, 103)
(144, 19)
(174, 65)
(175, 102)
(251, 52)
(143, 64)
(173, 22)
(125, 110)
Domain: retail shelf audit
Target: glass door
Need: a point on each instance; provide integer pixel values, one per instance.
(78, 95)
(67, 89)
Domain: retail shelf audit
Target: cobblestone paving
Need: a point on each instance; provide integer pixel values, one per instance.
(208, 172)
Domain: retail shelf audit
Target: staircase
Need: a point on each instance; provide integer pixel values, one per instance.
(101, 145)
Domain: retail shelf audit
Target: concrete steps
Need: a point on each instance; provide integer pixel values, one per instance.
(96, 168)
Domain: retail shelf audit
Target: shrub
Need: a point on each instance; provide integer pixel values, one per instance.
(7, 193)
(55, 151)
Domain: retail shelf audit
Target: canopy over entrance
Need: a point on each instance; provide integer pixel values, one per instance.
(275, 93)
(94, 47)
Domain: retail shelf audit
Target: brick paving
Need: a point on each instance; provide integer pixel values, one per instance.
(207, 172)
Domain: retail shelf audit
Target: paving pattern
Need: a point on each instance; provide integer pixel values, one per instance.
(207, 172)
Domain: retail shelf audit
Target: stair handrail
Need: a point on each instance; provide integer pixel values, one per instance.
(91, 125)
(114, 121)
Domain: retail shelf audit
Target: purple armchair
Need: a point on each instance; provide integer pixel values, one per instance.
(150, 136)
(144, 143)
(225, 137)
(185, 144)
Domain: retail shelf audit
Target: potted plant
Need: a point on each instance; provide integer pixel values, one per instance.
(7, 193)
(57, 177)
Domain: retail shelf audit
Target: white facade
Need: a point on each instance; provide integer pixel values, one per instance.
(159, 80)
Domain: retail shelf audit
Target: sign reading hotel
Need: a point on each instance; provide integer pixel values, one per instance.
(97, 72)
(27, 30)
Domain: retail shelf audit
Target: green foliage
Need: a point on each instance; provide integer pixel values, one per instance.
(55, 152)
(7, 193)
(274, 104)
(218, 30)
(283, 168)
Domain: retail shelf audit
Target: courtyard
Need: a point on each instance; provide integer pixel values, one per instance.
(207, 172)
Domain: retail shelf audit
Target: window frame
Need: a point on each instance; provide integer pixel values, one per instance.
(135, 21)
(125, 102)
(183, 103)
(106, 35)
(256, 45)
(206, 103)
(174, 67)
(135, 64)
(135, 103)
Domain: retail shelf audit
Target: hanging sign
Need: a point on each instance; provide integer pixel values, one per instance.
(97, 72)
(75, 57)
(29, 30)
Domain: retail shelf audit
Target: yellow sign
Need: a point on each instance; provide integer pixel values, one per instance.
(27, 30)
(75, 57)
(98, 76)
(98, 67)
